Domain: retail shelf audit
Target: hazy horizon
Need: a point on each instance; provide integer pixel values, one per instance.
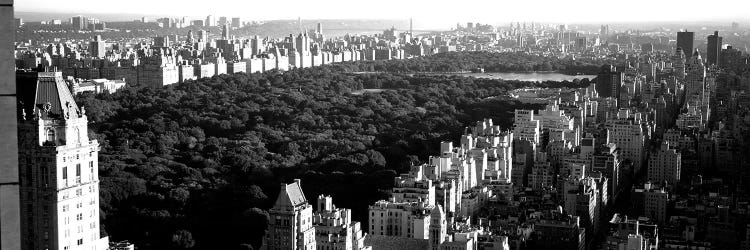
(426, 14)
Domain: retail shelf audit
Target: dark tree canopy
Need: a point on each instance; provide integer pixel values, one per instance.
(198, 164)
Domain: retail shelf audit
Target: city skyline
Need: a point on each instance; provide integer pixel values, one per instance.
(433, 16)
(437, 125)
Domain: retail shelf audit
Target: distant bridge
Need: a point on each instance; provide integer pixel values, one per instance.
(380, 30)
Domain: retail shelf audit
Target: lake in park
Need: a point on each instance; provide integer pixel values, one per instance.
(526, 76)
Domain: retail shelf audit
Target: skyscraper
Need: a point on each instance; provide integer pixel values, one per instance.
(59, 174)
(334, 228)
(161, 41)
(608, 81)
(202, 36)
(225, 31)
(10, 215)
(604, 31)
(190, 37)
(78, 22)
(665, 165)
(290, 224)
(210, 21)
(695, 76)
(97, 47)
(685, 41)
(678, 63)
(236, 22)
(713, 49)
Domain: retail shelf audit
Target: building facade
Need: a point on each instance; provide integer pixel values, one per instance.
(290, 224)
(59, 168)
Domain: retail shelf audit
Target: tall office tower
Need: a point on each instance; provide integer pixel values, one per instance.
(97, 48)
(608, 82)
(685, 41)
(291, 221)
(604, 30)
(78, 22)
(665, 165)
(236, 22)
(223, 20)
(202, 36)
(583, 197)
(678, 64)
(255, 45)
(319, 29)
(161, 41)
(210, 21)
(190, 38)
(10, 214)
(225, 31)
(695, 79)
(59, 176)
(713, 50)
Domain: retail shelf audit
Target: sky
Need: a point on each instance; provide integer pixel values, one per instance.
(426, 13)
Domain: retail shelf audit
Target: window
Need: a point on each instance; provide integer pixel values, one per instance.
(80, 242)
(50, 135)
(65, 173)
(78, 170)
(78, 135)
(79, 216)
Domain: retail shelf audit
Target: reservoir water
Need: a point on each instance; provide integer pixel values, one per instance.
(526, 76)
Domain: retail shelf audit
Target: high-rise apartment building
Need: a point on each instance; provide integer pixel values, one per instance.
(652, 200)
(225, 31)
(438, 226)
(609, 81)
(713, 49)
(236, 22)
(10, 215)
(161, 41)
(665, 165)
(78, 22)
(525, 127)
(630, 138)
(97, 48)
(210, 21)
(290, 224)
(59, 174)
(685, 41)
(403, 219)
(334, 228)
